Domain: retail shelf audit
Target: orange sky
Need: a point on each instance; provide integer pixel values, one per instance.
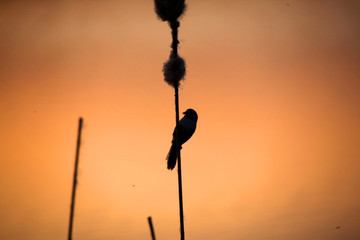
(276, 152)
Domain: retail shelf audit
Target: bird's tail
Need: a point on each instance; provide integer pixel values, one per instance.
(171, 157)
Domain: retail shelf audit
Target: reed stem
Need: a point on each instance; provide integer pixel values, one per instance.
(72, 207)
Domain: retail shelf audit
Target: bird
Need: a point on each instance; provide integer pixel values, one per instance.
(185, 129)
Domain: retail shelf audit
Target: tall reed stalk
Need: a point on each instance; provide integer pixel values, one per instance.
(174, 71)
(72, 207)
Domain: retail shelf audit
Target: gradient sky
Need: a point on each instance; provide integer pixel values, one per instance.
(276, 153)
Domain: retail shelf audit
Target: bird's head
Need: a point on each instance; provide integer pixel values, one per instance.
(190, 113)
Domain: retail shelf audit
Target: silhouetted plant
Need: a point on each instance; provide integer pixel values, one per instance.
(151, 229)
(174, 70)
(72, 207)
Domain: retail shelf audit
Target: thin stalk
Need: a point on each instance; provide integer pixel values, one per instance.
(181, 212)
(151, 229)
(174, 32)
(75, 179)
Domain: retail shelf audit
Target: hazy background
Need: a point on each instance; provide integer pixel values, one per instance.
(276, 153)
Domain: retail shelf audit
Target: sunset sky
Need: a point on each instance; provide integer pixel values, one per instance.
(276, 153)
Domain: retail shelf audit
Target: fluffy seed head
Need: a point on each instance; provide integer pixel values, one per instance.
(174, 70)
(169, 10)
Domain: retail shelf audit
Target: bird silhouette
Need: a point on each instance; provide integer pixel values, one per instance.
(185, 129)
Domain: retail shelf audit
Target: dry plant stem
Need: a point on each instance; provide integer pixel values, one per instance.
(174, 32)
(75, 179)
(182, 231)
(174, 27)
(151, 228)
